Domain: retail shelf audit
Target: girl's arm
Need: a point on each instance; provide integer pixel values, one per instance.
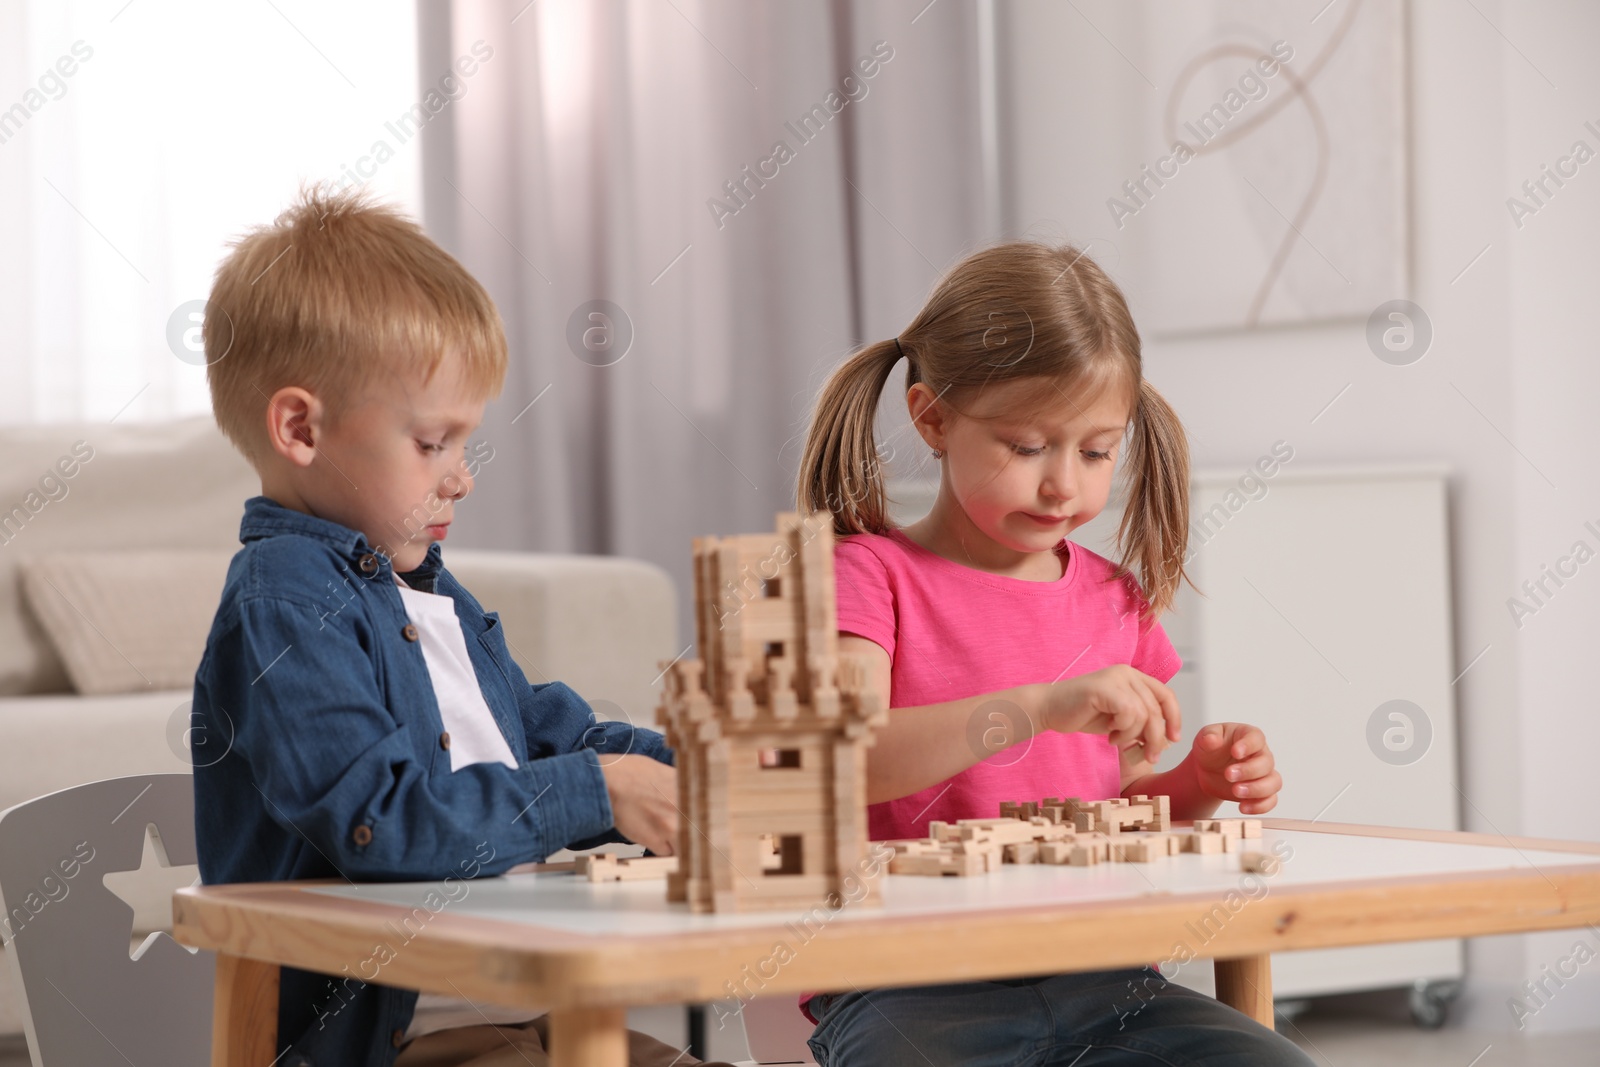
(1229, 761)
(923, 746)
(1181, 783)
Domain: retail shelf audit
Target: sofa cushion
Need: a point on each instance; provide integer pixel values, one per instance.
(178, 484)
(127, 621)
(601, 624)
(56, 740)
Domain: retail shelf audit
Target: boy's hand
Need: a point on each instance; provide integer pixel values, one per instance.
(1232, 762)
(1128, 706)
(644, 796)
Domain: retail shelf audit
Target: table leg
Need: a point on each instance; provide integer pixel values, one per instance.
(244, 1020)
(589, 1037)
(1246, 984)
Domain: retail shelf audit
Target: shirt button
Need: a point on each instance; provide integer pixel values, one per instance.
(444, 740)
(368, 563)
(410, 632)
(397, 1038)
(362, 835)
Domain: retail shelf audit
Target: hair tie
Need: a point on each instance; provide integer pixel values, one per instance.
(898, 348)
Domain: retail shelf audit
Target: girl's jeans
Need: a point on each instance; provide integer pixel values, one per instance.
(1095, 1019)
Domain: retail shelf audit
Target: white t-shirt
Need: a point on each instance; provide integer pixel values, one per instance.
(474, 738)
(474, 735)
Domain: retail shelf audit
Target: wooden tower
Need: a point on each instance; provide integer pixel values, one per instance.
(770, 729)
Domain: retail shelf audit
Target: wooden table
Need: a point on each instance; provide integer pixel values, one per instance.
(550, 940)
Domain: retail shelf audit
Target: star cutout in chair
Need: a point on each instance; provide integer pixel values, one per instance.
(147, 890)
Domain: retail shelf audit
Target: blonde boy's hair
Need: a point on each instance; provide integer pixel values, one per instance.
(336, 291)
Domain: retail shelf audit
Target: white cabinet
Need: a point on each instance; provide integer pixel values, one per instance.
(1326, 621)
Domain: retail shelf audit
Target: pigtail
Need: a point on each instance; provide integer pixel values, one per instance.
(840, 470)
(1154, 532)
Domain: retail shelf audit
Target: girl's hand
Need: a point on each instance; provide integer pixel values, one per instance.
(1232, 762)
(1128, 706)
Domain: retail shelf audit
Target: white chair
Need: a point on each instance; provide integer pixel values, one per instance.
(87, 1001)
(776, 1031)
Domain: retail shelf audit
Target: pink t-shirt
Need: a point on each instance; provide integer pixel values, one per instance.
(952, 632)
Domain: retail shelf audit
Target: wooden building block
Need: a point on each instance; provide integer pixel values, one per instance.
(1259, 862)
(1136, 850)
(1251, 828)
(606, 867)
(988, 852)
(768, 677)
(1006, 831)
(917, 865)
(1164, 812)
(1045, 830)
(1055, 852)
(1018, 809)
(1022, 852)
(1120, 852)
(944, 863)
(1167, 842)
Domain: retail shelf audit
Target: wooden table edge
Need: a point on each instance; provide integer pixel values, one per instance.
(1449, 837)
(548, 966)
(588, 1030)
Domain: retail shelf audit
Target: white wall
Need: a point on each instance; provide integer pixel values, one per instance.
(1504, 395)
(1553, 272)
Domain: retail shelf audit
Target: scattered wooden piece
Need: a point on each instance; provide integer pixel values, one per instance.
(1259, 862)
(608, 867)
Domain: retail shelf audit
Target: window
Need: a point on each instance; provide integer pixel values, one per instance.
(182, 124)
(790, 860)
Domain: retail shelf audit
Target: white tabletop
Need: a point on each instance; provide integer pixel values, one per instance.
(567, 902)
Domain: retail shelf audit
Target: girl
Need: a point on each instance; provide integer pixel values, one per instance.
(1020, 665)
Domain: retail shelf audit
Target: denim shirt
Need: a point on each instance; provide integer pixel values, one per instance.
(318, 752)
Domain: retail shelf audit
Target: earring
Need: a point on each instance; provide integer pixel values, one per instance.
(938, 454)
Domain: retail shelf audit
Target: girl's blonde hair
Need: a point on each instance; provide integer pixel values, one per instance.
(1013, 311)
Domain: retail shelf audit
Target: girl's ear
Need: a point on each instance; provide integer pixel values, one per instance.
(927, 414)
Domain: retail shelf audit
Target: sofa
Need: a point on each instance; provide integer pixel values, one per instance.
(113, 544)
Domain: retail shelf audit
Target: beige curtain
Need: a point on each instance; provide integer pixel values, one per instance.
(752, 189)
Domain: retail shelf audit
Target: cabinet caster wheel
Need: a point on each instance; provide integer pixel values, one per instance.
(1430, 1002)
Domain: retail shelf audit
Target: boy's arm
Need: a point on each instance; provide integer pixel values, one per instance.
(333, 765)
(556, 720)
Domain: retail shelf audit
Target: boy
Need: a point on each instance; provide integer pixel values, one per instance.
(376, 726)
